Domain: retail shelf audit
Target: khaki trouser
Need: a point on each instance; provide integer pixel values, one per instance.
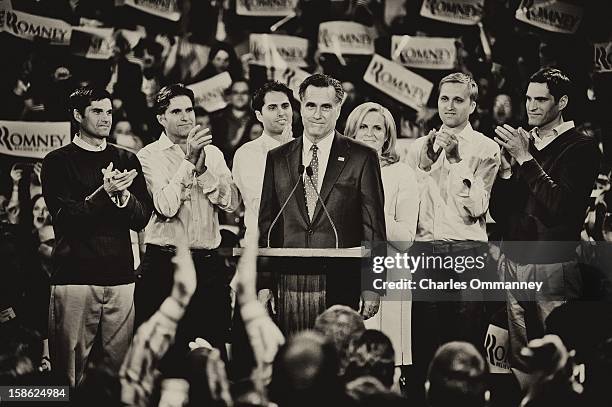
(527, 311)
(77, 313)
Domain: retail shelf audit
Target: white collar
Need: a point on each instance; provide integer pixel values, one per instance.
(463, 134)
(541, 142)
(323, 144)
(89, 147)
(556, 131)
(270, 141)
(164, 142)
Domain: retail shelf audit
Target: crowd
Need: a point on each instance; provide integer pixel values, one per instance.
(146, 213)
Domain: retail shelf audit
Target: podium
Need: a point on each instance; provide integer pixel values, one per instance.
(351, 252)
(309, 280)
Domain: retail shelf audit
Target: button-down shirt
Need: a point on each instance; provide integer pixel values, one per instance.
(182, 199)
(89, 147)
(324, 146)
(455, 197)
(248, 171)
(542, 140)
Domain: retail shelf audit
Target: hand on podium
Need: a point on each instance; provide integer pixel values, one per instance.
(369, 304)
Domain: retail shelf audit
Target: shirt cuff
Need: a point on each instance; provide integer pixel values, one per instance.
(505, 174)
(208, 181)
(184, 173)
(122, 200)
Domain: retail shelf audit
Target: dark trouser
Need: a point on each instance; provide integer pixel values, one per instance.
(308, 286)
(441, 316)
(207, 315)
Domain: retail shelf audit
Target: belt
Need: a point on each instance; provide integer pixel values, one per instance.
(452, 247)
(172, 250)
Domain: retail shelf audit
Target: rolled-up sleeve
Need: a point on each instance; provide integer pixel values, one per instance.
(167, 194)
(217, 183)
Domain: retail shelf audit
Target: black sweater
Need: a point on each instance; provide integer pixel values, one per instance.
(546, 198)
(92, 234)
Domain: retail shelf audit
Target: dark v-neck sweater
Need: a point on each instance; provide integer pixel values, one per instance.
(92, 234)
(546, 198)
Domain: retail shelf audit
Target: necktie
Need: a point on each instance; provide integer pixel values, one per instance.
(311, 194)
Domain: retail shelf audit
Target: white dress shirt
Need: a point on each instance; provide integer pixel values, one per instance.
(248, 171)
(455, 197)
(324, 146)
(182, 199)
(541, 141)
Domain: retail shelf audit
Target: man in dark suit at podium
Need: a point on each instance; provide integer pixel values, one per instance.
(346, 176)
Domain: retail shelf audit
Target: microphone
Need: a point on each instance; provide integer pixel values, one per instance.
(301, 171)
(309, 172)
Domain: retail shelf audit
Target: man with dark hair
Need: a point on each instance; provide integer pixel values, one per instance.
(189, 182)
(342, 173)
(539, 200)
(272, 106)
(457, 377)
(95, 193)
(229, 124)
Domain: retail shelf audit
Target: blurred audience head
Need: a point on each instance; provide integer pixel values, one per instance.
(20, 354)
(368, 391)
(457, 376)
(305, 372)
(502, 109)
(239, 94)
(340, 325)
(374, 125)
(371, 354)
(202, 117)
(40, 212)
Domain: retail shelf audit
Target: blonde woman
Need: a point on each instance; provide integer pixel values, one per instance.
(373, 125)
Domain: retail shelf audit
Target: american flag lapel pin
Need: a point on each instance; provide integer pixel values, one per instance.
(341, 159)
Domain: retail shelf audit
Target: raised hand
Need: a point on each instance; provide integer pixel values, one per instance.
(115, 182)
(450, 144)
(429, 155)
(514, 141)
(16, 174)
(196, 140)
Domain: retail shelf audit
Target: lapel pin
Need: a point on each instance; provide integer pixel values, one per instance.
(340, 158)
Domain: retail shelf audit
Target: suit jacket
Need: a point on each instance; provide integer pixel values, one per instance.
(352, 191)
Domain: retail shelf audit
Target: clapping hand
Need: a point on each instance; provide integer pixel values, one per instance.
(116, 182)
(514, 141)
(196, 141)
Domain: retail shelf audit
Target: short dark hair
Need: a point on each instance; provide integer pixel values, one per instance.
(229, 90)
(558, 83)
(167, 93)
(272, 86)
(82, 97)
(371, 354)
(319, 80)
(457, 375)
